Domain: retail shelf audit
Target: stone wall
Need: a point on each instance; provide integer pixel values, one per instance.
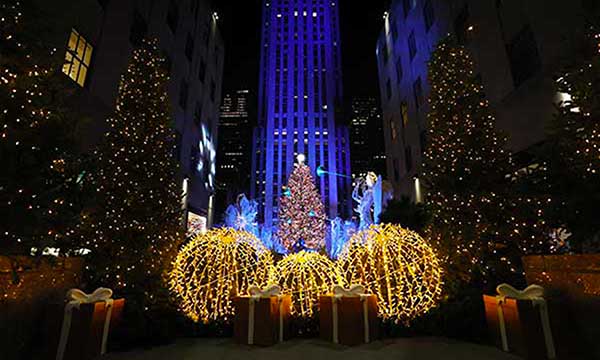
(27, 285)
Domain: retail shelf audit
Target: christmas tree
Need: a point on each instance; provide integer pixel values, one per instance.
(135, 229)
(480, 222)
(38, 140)
(302, 221)
(574, 159)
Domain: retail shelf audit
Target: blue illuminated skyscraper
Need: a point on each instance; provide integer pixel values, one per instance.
(300, 93)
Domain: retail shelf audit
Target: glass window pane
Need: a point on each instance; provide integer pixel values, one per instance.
(73, 41)
(88, 55)
(80, 48)
(68, 57)
(82, 74)
(67, 68)
(74, 69)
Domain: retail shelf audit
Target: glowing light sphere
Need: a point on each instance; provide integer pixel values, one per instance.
(306, 276)
(398, 266)
(213, 268)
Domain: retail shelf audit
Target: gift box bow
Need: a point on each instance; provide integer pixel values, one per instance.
(75, 298)
(78, 297)
(258, 293)
(354, 291)
(531, 292)
(535, 294)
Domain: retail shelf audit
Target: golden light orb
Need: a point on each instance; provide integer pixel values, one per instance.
(215, 267)
(305, 276)
(398, 266)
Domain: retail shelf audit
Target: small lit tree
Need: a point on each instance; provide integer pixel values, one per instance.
(302, 221)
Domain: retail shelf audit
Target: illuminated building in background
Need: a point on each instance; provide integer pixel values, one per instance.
(235, 144)
(300, 94)
(366, 138)
(515, 50)
(96, 40)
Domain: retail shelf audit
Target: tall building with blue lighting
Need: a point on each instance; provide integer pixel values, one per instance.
(300, 95)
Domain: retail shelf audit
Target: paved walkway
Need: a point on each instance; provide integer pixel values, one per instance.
(397, 349)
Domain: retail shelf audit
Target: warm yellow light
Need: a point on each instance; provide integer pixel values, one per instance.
(398, 266)
(305, 276)
(215, 267)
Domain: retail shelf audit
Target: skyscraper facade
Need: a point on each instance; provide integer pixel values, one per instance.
(300, 94)
(233, 173)
(516, 54)
(366, 137)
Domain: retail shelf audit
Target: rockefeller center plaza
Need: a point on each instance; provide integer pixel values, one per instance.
(300, 179)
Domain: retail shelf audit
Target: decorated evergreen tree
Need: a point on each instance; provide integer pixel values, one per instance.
(135, 229)
(480, 222)
(302, 221)
(574, 159)
(38, 182)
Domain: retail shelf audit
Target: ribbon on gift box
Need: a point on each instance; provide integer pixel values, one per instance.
(256, 294)
(535, 294)
(75, 298)
(340, 292)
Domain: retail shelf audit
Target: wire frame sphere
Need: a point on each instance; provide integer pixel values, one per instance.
(215, 267)
(398, 266)
(305, 276)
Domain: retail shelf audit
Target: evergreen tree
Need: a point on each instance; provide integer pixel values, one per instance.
(480, 222)
(38, 138)
(302, 221)
(135, 229)
(574, 167)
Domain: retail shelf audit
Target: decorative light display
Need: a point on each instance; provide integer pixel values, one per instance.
(480, 220)
(242, 215)
(213, 268)
(398, 266)
(302, 221)
(306, 276)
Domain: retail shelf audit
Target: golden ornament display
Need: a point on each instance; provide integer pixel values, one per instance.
(305, 276)
(398, 266)
(215, 267)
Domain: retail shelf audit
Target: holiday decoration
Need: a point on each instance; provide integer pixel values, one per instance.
(262, 317)
(81, 328)
(348, 316)
(573, 154)
(521, 321)
(215, 267)
(480, 221)
(302, 221)
(398, 266)
(39, 182)
(305, 276)
(135, 227)
(242, 215)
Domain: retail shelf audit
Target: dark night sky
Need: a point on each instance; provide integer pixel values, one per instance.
(361, 22)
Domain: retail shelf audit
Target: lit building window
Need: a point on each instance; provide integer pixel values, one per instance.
(77, 58)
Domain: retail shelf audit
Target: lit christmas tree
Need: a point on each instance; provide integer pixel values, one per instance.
(38, 140)
(574, 159)
(479, 221)
(135, 229)
(302, 221)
